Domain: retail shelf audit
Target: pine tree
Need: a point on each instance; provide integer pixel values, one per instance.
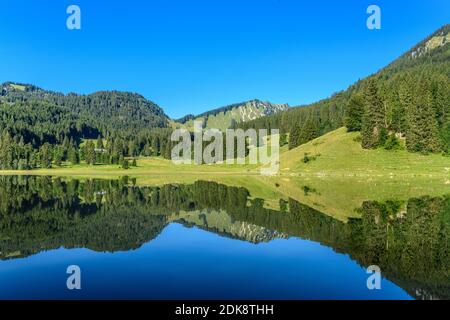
(354, 113)
(308, 132)
(294, 137)
(99, 143)
(168, 150)
(132, 148)
(405, 96)
(445, 138)
(89, 152)
(155, 145)
(58, 155)
(373, 120)
(6, 151)
(72, 156)
(45, 155)
(423, 134)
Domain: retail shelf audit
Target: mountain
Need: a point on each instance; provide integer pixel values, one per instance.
(105, 110)
(407, 101)
(225, 117)
(220, 222)
(41, 127)
(402, 106)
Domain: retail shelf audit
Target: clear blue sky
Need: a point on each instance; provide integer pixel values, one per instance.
(189, 56)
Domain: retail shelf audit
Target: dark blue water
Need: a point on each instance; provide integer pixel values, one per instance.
(191, 263)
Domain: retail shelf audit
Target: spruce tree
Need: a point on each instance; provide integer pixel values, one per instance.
(72, 156)
(45, 155)
(89, 152)
(294, 137)
(354, 113)
(99, 143)
(423, 134)
(308, 132)
(58, 155)
(373, 120)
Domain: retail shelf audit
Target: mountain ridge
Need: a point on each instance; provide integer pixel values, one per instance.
(248, 110)
(408, 98)
(235, 113)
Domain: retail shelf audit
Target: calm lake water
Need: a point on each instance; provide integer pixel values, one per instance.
(210, 241)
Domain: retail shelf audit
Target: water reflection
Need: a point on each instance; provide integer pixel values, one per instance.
(409, 240)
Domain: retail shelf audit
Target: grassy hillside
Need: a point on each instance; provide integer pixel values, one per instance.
(336, 154)
(339, 153)
(408, 97)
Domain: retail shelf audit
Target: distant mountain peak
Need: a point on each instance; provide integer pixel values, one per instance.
(438, 39)
(224, 117)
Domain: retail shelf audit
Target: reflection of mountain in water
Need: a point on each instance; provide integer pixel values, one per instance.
(220, 222)
(409, 241)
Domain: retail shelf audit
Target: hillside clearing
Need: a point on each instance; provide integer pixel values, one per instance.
(339, 154)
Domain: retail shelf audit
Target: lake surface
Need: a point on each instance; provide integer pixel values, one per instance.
(207, 240)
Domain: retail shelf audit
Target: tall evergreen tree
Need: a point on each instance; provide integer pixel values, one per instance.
(423, 134)
(294, 137)
(354, 113)
(58, 155)
(45, 156)
(72, 155)
(89, 152)
(99, 143)
(308, 132)
(373, 120)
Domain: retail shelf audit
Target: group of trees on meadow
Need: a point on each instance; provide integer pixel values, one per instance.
(406, 104)
(17, 155)
(304, 123)
(414, 107)
(40, 129)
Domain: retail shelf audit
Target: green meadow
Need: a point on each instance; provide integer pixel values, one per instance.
(337, 178)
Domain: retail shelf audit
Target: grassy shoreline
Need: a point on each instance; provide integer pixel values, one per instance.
(336, 154)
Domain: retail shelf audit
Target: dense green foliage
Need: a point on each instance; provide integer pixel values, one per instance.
(42, 128)
(354, 113)
(41, 213)
(409, 99)
(306, 122)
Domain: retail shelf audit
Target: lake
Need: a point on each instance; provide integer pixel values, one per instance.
(213, 240)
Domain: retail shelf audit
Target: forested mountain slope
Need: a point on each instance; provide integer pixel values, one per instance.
(228, 116)
(407, 100)
(40, 127)
(404, 105)
(108, 111)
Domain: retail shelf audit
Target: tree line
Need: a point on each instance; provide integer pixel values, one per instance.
(404, 105)
(39, 213)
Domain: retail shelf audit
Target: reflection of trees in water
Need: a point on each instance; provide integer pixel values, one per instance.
(412, 246)
(409, 241)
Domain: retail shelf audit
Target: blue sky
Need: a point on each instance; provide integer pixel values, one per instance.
(190, 56)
